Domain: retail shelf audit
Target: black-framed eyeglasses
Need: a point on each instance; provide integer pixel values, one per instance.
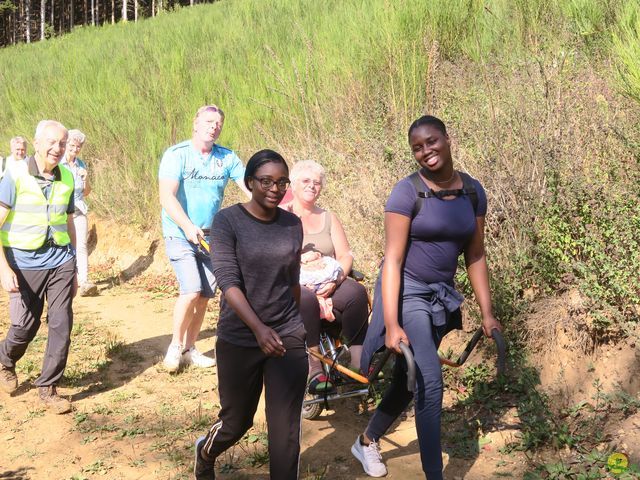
(268, 182)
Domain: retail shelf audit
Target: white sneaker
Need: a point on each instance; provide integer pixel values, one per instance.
(172, 358)
(197, 359)
(370, 458)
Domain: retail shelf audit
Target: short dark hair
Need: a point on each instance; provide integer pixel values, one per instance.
(260, 158)
(430, 121)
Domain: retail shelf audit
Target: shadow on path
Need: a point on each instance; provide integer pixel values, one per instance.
(19, 474)
(124, 363)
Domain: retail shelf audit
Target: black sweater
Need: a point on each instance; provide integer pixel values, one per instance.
(263, 260)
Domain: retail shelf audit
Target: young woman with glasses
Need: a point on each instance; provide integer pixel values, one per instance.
(255, 252)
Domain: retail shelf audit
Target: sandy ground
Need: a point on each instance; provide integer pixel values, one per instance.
(41, 445)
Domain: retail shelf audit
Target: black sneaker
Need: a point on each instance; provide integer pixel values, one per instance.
(202, 469)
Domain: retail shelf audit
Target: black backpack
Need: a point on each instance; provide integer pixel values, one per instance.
(468, 188)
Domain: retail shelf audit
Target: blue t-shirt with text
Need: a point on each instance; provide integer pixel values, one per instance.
(202, 179)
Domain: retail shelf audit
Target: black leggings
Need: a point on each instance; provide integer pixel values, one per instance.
(242, 371)
(350, 307)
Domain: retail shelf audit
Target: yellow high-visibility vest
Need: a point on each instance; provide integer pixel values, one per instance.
(31, 217)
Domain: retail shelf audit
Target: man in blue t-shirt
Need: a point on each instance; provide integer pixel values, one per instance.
(192, 176)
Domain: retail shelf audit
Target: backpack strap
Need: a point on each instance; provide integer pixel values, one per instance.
(420, 187)
(468, 188)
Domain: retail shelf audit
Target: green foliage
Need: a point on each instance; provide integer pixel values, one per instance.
(626, 49)
(8, 6)
(588, 235)
(591, 465)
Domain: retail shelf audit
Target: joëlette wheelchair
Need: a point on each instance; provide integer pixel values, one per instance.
(333, 355)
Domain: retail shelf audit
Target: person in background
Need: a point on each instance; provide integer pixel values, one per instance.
(416, 301)
(37, 261)
(82, 188)
(192, 179)
(255, 253)
(18, 148)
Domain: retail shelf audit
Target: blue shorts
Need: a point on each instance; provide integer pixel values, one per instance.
(192, 266)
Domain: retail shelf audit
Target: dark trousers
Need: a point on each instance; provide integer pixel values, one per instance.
(425, 339)
(241, 373)
(350, 307)
(25, 311)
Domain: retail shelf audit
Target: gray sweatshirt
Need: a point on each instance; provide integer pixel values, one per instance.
(263, 260)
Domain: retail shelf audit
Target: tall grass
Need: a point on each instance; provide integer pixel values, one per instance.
(626, 45)
(519, 82)
(270, 64)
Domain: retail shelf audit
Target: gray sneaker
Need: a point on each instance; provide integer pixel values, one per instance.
(370, 458)
(54, 402)
(202, 469)
(88, 290)
(8, 379)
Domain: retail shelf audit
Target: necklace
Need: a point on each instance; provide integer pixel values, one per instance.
(442, 182)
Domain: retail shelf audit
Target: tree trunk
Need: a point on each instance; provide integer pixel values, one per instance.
(135, 10)
(72, 17)
(124, 10)
(43, 5)
(113, 12)
(27, 21)
(93, 12)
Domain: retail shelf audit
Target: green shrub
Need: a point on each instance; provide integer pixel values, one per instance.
(588, 236)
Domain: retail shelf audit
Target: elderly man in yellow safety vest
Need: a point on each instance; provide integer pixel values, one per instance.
(38, 261)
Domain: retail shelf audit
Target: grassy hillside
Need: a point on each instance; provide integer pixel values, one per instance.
(540, 96)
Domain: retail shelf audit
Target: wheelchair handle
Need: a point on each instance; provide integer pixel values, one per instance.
(411, 367)
(469, 348)
(501, 346)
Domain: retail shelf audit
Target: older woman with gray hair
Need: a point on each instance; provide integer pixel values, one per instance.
(82, 188)
(339, 302)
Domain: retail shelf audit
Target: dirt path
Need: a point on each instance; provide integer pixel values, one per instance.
(131, 420)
